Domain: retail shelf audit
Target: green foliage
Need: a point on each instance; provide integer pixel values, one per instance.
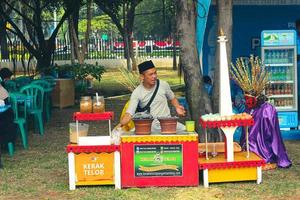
(101, 23)
(81, 71)
(154, 18)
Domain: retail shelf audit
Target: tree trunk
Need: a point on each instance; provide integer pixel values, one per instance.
(3, 39)
(131, 53)
(174, 51)
(197, 98)
(72, 46)
(224, 21)
(44, 60)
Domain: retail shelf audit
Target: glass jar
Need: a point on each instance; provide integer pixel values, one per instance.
(98, 105)
(86, 104)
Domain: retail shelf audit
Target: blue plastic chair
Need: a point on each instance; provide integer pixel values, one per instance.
(11, 148)
(10, 86)
(22, 81)
(47, 96)
(20, 115)
(36, 109)
(50, 79)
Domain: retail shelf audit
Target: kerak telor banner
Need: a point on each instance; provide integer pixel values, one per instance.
(248, 23)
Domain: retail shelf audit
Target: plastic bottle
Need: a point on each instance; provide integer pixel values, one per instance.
(275, 74)
(281, 56)
(271, 57)
(267, 57)
(276, 57)
(286, 56)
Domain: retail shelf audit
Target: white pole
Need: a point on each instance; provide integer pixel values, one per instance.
(117, 169)
(225, 104)
(71, 160)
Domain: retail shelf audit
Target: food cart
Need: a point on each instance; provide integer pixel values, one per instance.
(93, 162)
(159, 160)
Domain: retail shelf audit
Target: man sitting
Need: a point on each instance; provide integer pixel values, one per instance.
(143, 93)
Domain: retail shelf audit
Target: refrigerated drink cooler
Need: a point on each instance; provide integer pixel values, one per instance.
(279, 55)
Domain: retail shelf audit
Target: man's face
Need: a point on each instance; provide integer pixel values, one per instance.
(149, 77)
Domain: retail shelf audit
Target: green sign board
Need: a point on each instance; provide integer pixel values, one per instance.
(157, 160)
(104, 37)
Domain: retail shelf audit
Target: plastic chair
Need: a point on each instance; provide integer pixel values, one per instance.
(10, 86)
(47, 96)
(11, 148)
(22, 81)
(36, 109)
(130, 124)
(52, 82)
(50, 79)
(19, 116)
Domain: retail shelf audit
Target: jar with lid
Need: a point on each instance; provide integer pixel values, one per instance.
(98, 104)
(86, 104)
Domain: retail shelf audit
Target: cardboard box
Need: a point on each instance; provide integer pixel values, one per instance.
(63, 94)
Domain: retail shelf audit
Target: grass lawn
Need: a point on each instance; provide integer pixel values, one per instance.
(41, 172)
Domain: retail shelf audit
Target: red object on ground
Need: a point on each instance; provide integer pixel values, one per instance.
(187, 175)
(93, 116)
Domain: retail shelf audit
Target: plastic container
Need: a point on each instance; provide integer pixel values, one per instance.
(83, 130)
(98, 106)
(190, 126)
(86, 104)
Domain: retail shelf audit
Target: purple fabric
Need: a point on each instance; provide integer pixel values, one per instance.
(265, 137)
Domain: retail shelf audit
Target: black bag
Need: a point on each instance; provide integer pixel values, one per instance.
(147, 107)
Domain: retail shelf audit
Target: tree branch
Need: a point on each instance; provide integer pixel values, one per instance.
(112, 15)
(27, 4)
(19, 13)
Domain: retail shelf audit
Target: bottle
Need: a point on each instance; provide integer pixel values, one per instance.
(289, 91)
(285, 73)
(285, 89)
(288, 74)
(282, 73)
(269, 68)
(267, 57)
(271, 57)
(279, 76)
(275, 74)
(276, 57)
(281, 56)
(286, 56)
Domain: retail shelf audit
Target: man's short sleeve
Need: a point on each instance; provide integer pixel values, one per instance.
(133, 103)
(169, 93)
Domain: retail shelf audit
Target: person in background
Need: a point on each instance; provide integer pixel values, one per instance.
(207, 84)
(143, 93)
(7, 125)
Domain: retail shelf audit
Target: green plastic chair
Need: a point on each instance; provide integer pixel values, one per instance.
(19, 115)
(36, 109)
(10, 86)
(47, 96)
(11, 148)
(52, 82)
(50, 79)
(22, 81)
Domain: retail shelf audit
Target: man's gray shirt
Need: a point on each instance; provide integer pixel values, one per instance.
(159, 107)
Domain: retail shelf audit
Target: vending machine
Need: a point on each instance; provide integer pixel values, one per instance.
(279, 55)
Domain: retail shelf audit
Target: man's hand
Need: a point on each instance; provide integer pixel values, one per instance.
(180, 110)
